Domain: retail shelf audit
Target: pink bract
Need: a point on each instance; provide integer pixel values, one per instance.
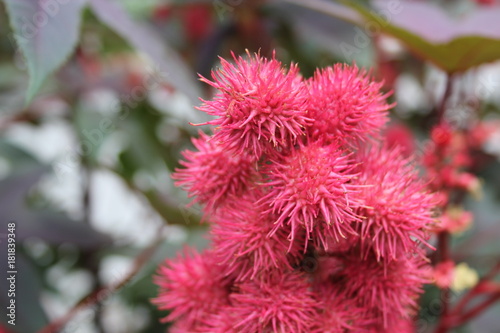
(312, 189)
(259, 106)
(397, 207)
(213, 175)
(346, 105)
(191, 287)
(279, 303)
(244, 244)
(387, 293)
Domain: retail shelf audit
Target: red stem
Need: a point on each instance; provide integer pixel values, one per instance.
(447, 93)
(474, 291)
(444, 236)
(98, 295)
(444, 251)
(478, 309)
(456, 317)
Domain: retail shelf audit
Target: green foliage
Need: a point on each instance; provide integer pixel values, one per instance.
(457, 55)
(35, 28)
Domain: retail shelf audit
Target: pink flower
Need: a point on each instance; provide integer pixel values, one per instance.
(397, 208)
(456, 220)
(466, 181)
(482, 133)
(387, 292)
(281, 302)
(312, 189)
(446, 157)
(399, 135)
(444, 273)
(260, 106)
(243, 244)
(400, 326)
(183, 326)
(442, 135)
(191, 287)
(346, 104)
(213, 175)
(339, 314)
(221, 322)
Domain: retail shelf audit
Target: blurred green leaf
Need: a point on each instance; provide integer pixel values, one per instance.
(20, 161)
(89, 126)
(170, 65)
(30, 316)
(13, 191)
(330, 8)
(456, 50)
(46, 32)
(146, 153)
(54, 228)
(307, 36)
(457, 55)
(141, 288)
(141, 8)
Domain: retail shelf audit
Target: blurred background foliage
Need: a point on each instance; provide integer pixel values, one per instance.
(95, 105)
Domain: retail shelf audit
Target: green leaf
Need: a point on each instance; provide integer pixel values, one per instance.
(54, 228)
(46, 33)
(19, 160)
(458, 54)
(426, 30)
(30, 316)
(170, 65)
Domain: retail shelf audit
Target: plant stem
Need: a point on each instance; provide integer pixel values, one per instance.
(475, 291)
(97, 296)
(444, 236)
(447, 93)
(478, 308)
(444, 252)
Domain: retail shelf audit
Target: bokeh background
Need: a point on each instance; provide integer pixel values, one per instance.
(96, 98)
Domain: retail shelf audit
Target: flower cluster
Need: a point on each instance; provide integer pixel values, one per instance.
(447, 158)
(317, 225)
(452, 158)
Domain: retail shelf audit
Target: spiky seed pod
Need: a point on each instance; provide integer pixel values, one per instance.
(260, 106)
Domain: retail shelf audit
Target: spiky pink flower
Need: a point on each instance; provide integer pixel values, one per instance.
(455, 220)
(337, 247)
(398, 134)
(444, 273)
(191, 287)
(243, 244)
(182, 326)
(259, 106)
(401, 326)
(387, 292)
(221, 322)
(281, 302)
(346, 104)
(397, 207)
(212, 174)
(312, 189)
(339, 314)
